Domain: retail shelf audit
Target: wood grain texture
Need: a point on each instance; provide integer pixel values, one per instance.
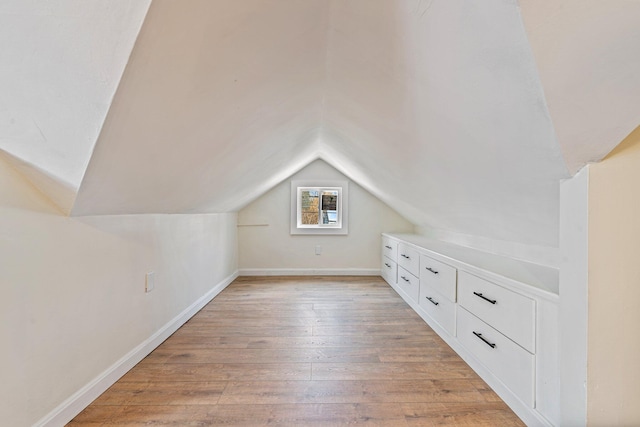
(301, 351)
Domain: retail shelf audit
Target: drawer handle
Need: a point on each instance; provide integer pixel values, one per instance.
(432, 301)
(387, 265)
(431, 270)
(405, 279)
(492, 345)
(492, 301)
(388, 247)
(405, 256)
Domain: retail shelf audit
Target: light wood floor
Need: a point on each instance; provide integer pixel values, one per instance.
(321, 351)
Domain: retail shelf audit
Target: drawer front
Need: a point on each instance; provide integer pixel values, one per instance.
(389, 270)
(439, 276)
(409, 259)
(511, 313)
(409, 283)
(390, 248)
(439, 308)
(512, 364)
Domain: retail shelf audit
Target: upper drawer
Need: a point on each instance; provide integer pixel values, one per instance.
(409, 258)
(390, 248)
(439, 276)
(511, 313)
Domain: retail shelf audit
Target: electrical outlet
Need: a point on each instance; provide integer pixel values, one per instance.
(150, 282)
(318, 250)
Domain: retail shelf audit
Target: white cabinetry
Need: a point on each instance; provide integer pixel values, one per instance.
(409, 259)
(408, 283)
(389, 266)
(438, 307)
(509, 362)
(497, 313)
(438, 292)
(511, 313)
(439, 276)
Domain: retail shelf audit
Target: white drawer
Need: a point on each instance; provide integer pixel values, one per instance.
(511, 313)
(512, 364)
(409, 283)
(438, 307)
(390, 248)
(389, 270)
(409, 259)
(439, 276)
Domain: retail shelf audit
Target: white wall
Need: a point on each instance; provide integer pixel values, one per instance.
(61, 64)
(434, 107)
(613, 374)
(271, 248)
(573, 306)
(445, 95)
(72, 298)
(586, 53)
(599, 292)
(220, 101)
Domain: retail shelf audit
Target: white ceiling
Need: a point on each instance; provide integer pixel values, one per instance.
(588, 57)
(60, 64)
(438, 107)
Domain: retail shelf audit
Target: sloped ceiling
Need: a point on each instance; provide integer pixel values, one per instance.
(220, 101)
(60, 64)
(588, 57)
(438, 107)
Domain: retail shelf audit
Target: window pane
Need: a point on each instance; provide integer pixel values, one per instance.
(329, 207)
(310, 207)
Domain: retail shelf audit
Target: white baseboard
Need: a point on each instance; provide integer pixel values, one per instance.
(71, 407)
(309, 272)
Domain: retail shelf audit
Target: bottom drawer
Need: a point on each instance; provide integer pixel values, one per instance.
(389, 270)
(409, 283)
(439, 308)
(512, 364)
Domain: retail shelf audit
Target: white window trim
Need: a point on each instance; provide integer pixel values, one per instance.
(343, 208)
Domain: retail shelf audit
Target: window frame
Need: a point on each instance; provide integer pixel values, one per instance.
(341, 228)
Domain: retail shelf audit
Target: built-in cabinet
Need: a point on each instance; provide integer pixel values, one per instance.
(497, 313)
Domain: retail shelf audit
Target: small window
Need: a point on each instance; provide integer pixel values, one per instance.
(318, 208)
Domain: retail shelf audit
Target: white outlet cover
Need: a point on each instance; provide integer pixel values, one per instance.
(150, 282)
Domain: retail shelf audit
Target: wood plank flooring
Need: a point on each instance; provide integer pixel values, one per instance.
(302, 351)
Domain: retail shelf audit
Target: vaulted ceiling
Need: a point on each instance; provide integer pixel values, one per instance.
(461, 115)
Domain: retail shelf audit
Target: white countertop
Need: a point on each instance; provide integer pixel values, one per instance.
(539, 279)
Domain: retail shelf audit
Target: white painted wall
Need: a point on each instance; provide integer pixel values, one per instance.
(436, 108)
(61, 64)
(72, 298)
(574, 294)
(271, 248)
(221, 100)
(613, 373)
(586, 53)
(599, 277)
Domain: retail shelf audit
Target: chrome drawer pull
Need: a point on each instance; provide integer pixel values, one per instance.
(405, 256)
(405, 279)
(388, 247)
(432, 301)
(387, 265)
(492, 301)
(431, 270)
(492, 345)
